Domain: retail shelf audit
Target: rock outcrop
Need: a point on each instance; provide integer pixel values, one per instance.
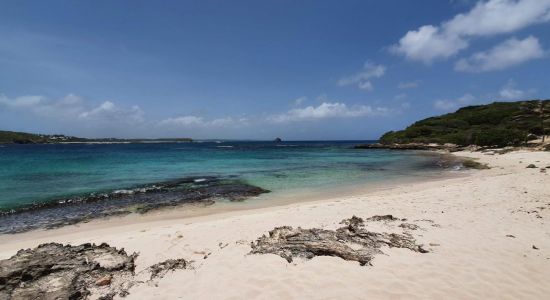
(55, 271)
(160, 269)
(351, 242)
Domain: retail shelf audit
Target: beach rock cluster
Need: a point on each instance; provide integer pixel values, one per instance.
(160, 269)
(377, 218)
(55, 271)
(472, 164)
(351, 242)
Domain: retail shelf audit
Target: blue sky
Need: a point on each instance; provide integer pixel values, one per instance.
(261, 69)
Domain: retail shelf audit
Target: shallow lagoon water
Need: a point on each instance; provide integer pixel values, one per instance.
(34, 175)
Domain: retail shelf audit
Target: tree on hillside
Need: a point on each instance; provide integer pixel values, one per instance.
(538, 110)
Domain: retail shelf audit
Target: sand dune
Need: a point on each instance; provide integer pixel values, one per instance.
(487, 234)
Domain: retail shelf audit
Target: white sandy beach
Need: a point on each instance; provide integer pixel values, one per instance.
(488, 238)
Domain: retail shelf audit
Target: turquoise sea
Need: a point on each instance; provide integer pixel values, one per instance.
(46, 182)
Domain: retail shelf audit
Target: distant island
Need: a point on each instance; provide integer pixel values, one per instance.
(11, 137)
(497, 124)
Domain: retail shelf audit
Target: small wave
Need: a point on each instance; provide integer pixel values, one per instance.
(224, 146)
(286, 145)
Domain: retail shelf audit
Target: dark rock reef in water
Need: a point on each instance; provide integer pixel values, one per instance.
(54, 271)
(351, 242)
(189, 190)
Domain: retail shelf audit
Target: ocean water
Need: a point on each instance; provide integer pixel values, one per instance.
(35, 177)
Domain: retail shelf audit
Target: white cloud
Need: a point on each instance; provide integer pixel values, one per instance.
(109, 112)
(409, 85)
(362, 78)
(182, 121)
(21, 102)
(453, 104)
(428, 43)
(499, 16)
(196, 122)
(73, 108)
(510, 53)
(446, 105)
(327, 110)
(486, 18)
(300, 100)
(66, 107)
(510, 92)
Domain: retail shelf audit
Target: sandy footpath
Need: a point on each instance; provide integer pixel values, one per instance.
(488, 236)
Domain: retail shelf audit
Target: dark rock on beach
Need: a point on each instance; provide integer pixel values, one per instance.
(472, 164)
(383, 218)
(160, 269)
(409, 226)
(55, 271)
(351, 242)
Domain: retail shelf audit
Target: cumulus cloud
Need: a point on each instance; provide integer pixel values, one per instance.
(453, 104)
(66, 107)
(510, 53)
(78, 116)
(109, 112)
(510, 92)
(73, 108)
(327, 110)
(409, 85)
(429, 43)
(486, 18)
(363, 78)
(195, 122)
(300, 100)
(499, 16)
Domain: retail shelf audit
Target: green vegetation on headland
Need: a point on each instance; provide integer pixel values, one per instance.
(497, 124)
(11, 137)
